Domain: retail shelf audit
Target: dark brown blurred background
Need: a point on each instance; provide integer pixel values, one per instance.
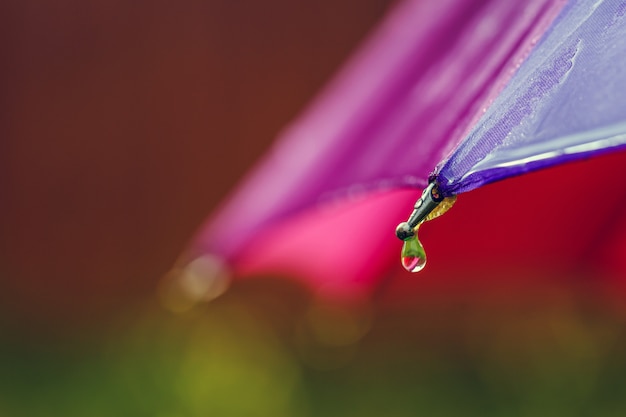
(124, 123)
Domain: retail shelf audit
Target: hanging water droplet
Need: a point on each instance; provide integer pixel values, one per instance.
(413, 255)
(430, 206)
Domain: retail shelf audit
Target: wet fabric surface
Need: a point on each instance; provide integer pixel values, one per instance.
(564, 103)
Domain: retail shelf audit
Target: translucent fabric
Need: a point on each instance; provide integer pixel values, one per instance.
(566, 102)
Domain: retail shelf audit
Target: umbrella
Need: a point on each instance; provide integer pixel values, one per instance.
(445, 95)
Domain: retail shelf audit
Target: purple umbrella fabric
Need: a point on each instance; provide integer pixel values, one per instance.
(400, 106)
(566, 102)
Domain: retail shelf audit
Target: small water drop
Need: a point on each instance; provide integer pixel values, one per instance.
(430, 206)
(413, 255)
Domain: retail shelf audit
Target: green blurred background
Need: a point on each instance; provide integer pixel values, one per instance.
(124, 123)
(267, 349)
